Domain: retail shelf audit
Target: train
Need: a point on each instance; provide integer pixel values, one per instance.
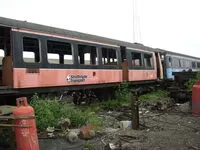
(38, 58)
(175, 62)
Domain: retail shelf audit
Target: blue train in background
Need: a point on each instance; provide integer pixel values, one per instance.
(175, 62)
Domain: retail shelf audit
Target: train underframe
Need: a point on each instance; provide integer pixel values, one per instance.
(86, 94)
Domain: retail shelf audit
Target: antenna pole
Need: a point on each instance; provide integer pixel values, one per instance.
(133, 23)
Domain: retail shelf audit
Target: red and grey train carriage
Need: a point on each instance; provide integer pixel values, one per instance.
(42, 59)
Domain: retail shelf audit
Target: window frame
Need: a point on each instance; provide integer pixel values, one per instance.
(188, 63)
(142, 60)
(1, 57)
(39, 44)
(97, 52)
(143, 67)
(117, 57)
(18, 61)
(197, 65)
(147, 67)
(72, 51)
(169, 63)
(54, 65)
(194, 64)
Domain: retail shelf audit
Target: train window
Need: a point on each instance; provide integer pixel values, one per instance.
(68, 59)
(193, 64)
(180, 63)
(87, 55)
(2, 54)
(187, 64)
(136, 59)
(109, 56)
(175, 62)
(170, 62)
(198, 64)
(184, 63)
(59, 52)
(53, 58)
(162, 57)
(31, 50)
(148, 60)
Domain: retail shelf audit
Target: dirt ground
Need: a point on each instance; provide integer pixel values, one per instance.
(174, 128)
(162, 127)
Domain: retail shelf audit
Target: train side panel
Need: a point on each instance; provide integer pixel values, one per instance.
(175, 63)
(42, 72)
(171, 70)
(142, 75)
(141, 71)
(64, 77)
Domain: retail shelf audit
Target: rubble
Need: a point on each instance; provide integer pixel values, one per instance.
(125, 124)
(64, 123)
(111, 146)
(185, 107)
(72, 137)
(110, 130)
(50, 131)
(87, 132)
(161, 127)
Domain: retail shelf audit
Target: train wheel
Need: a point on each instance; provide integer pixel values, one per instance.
(77, 97)
(87, 97)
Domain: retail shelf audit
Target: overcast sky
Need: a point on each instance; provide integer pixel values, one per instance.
(167, 24)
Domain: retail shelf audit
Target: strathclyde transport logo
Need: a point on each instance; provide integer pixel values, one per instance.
(76, 78)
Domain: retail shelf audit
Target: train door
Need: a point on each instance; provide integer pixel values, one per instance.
(163, 61)
(159, 64)
(124, 64)
(6, 77)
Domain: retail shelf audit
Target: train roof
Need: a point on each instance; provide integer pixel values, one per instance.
(74, 34)
(174, 53)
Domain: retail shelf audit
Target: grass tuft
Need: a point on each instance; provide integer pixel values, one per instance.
(153, 96)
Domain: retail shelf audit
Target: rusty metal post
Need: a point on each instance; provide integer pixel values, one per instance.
(134, 110)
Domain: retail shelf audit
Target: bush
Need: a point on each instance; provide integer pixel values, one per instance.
(80, 117)
(47, 111)
(75, 115)
(50, 112)
(191, 82)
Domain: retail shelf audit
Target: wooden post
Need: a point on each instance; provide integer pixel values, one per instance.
(134, 110)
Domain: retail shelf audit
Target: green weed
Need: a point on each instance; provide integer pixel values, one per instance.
(123, 96)
(189, 84)
(111, 104)
(46, 111)
(50, 112)
(89, 146)
(156, 95)
(79, 117)
(123, 92)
